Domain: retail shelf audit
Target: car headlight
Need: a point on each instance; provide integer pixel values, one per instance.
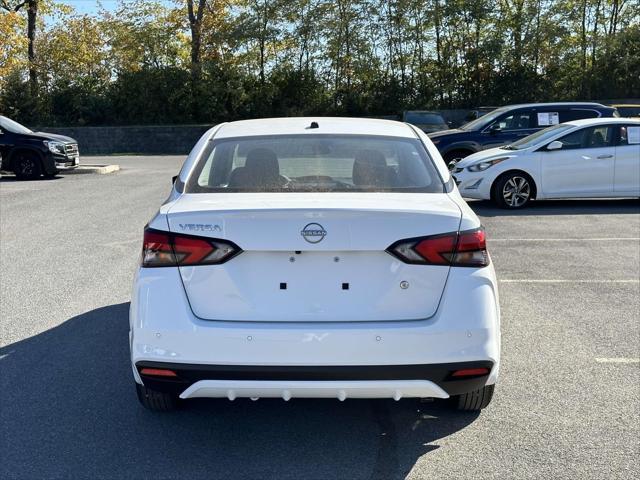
(482, 166)
(55, 147)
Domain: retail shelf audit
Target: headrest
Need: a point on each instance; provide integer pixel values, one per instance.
(371, 158)
(263, 160)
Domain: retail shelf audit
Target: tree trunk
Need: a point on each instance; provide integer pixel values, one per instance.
(195, 25)
(438, 54)
(32, 17)
(583, 48)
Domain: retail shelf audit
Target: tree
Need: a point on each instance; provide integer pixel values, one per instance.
(32, 17)
(195, 25)
(14, 44)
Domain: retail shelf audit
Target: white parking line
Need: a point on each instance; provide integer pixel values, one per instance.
(602, 239)
(550, 280)
(618, 360)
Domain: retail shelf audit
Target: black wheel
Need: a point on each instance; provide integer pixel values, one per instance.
(26, 165)
(453, 157)
(156, 401)
(474, 401)
(50, 175)
(513, 190)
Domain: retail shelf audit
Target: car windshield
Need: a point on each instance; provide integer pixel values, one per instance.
(421, 118)
(538, 137)
(483, 121)
(13, 127)
(631, 111)
(315, 163)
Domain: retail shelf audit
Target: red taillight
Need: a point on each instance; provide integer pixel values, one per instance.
(157, 250)
(158, 372)
(166, 249)
(464, 249)
(437, 250)
(472, 249)
(470, 372)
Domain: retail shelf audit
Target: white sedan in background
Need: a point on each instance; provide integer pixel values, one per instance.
(320, 257)
(594, 158)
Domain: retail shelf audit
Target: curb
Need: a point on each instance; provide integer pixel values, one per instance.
(95, 169)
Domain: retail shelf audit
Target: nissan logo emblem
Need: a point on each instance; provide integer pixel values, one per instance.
(313, 232)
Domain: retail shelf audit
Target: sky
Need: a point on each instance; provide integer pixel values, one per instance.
(90, 6)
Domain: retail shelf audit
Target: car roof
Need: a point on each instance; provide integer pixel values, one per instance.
(557, 104)
(601, 121)
(326, 125)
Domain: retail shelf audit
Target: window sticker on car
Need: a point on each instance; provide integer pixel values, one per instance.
(548, 118)
(633, 135)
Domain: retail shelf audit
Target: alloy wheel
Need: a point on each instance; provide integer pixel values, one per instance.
(26, 165)
(516, 191)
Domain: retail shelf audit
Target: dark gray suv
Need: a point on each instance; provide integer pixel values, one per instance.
(508, 124)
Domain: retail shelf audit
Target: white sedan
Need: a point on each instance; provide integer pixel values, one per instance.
(580, 159)
(324, 257)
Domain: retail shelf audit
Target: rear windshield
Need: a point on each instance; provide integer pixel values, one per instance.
(315, 163)
(422, 118)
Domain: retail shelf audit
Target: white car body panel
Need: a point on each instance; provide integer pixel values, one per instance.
(235, 314)
(576, 173)
(627, 170)
(165, 329)
(267, 227)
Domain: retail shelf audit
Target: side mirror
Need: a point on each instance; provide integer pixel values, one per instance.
(173, 179)
(555, 145)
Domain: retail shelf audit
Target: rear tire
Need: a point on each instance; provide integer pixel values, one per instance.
(26, 165)
(156, 401)
(474, 401)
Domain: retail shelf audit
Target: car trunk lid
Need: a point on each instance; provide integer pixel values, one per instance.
(314, 257)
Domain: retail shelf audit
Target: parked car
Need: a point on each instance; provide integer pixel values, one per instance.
(319, 257)
(30, 154)
(426, 121)
(627, 110)
(583, 158)
(507, 124)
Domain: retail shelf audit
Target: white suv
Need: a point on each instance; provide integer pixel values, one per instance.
(325, 257)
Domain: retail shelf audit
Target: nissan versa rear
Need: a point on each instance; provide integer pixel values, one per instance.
(315, 258)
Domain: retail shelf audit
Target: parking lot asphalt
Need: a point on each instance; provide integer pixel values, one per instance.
(567, 403)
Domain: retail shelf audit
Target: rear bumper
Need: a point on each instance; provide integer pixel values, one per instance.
(362, 381)
(465, 328)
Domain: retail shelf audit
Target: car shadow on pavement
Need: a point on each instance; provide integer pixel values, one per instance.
(68, 410)
(10, 178)
(558, 207)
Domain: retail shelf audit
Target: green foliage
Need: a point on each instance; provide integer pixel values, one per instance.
(261, 58)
